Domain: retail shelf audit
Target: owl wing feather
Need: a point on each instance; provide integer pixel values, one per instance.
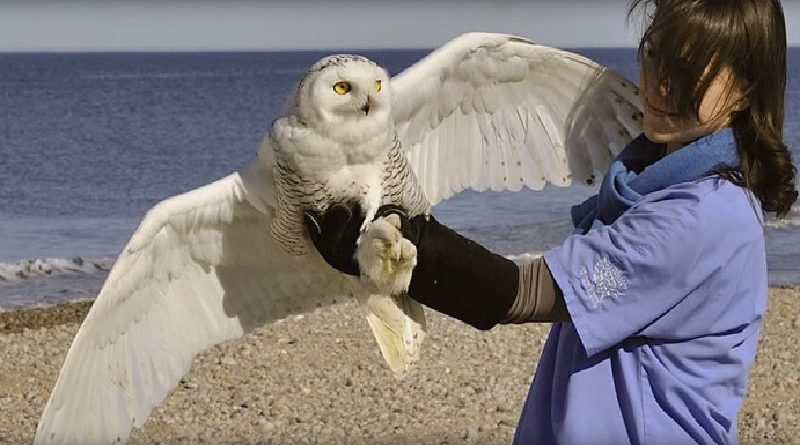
(400, 184)
(495, 111)
(201, 268)
(294, 194)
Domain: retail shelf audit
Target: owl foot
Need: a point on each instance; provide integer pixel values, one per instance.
(385, 257)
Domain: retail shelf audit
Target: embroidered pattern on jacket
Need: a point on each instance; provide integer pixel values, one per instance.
(606, 280)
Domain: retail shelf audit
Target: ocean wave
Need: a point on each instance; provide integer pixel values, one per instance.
(524, 257)
(36, 268)
(791, 220)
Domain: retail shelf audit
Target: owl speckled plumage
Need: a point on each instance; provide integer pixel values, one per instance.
(337, 142)
(483, 111)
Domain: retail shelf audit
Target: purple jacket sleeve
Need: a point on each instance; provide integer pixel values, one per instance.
(664, 269)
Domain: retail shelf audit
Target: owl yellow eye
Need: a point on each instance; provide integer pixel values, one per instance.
(341, 88)
(377, 85)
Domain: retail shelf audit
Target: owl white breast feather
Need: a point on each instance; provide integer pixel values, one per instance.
(335, 144)
(338, 128)
(484, 111)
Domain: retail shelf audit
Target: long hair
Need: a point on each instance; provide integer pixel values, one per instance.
(687, 43)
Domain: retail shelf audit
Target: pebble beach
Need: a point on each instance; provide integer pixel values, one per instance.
(319, 379)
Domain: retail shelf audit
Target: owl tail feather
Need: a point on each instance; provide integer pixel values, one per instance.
(398, 323)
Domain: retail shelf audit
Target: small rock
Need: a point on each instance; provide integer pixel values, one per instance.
(266, 424)
(471, 434)
(502, 408)
(505, 423)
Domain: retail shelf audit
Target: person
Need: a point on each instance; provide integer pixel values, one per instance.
(658, 297)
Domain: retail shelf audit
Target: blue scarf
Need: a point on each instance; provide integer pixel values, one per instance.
(623, 186)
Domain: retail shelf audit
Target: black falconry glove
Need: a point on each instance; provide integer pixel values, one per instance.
(334, 233)
(455, 275)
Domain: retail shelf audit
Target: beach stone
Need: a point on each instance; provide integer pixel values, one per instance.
(471, 434)
(228, 361)
(468, 386)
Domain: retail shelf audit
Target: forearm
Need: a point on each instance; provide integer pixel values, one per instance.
(539, 299)
(462, 279)
(453, 274)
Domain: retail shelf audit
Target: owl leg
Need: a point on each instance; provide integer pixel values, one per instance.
(367, 219)
(385, 257)
(371, 196)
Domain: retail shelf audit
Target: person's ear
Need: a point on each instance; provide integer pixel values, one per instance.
(742, 103)
(741, 96)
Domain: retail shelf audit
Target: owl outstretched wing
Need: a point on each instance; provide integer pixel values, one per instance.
(495, 111)
(201, 268)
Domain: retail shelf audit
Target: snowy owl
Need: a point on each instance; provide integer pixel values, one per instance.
(483, 111)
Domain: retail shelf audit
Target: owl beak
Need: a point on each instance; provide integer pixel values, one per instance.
(365, 107)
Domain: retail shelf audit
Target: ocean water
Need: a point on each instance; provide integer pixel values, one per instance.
(89, 142)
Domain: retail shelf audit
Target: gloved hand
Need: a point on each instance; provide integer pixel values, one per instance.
(455, 275)
(334, 233)
(387, 258)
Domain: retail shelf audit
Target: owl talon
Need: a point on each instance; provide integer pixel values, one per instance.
(385, 257)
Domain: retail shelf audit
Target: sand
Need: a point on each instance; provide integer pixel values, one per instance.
(320, 379)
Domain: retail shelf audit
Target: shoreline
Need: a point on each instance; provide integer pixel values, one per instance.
(67, 312)
(75, 310)
(320, 379)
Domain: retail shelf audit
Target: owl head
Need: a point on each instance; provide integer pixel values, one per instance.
(344, 97)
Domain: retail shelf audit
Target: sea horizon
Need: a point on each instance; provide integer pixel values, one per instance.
(300, 50)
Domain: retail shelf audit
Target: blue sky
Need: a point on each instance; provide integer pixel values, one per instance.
(190, 25)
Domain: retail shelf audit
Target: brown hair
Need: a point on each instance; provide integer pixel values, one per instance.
(749, 38)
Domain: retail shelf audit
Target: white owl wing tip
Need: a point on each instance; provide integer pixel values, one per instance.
(199, 270)
(497, 111)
